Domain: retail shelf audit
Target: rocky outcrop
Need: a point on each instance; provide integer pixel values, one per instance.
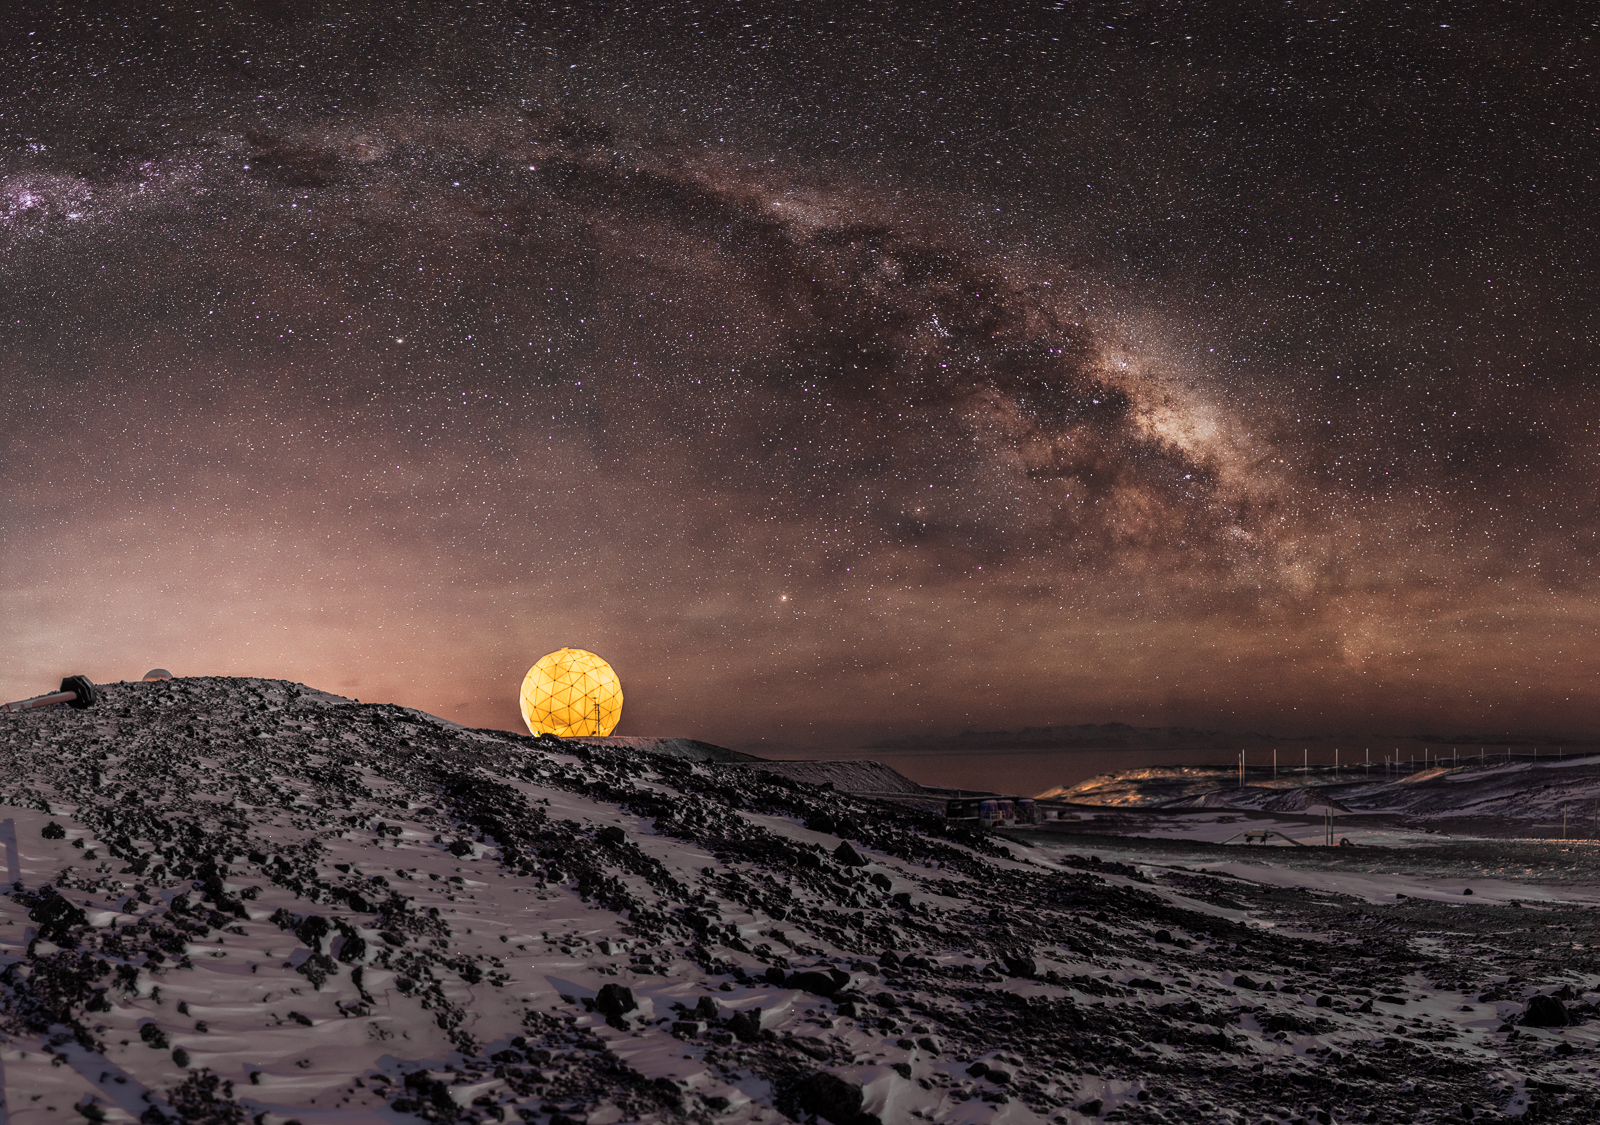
(238, 899)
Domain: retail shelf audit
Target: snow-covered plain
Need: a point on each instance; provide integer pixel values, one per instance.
(244, 899)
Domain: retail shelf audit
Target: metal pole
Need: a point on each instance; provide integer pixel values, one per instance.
(41, 701)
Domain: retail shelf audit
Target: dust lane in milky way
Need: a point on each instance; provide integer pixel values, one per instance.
(832, 379)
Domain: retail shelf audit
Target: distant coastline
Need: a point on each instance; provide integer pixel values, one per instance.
(1122, 736)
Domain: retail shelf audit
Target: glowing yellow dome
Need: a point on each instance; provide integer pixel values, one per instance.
(571, 693)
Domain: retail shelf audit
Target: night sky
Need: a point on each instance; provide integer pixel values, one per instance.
(836, 374)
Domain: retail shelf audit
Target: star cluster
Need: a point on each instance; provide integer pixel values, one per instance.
(833, 375)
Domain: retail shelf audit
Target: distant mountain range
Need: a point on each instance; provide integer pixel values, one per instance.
(1117, 736)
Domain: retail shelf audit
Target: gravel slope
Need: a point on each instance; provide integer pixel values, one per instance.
(239, 899)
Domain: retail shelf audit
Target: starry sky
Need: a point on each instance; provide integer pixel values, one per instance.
(837, 372)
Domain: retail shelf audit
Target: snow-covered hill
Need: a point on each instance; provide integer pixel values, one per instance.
(243, 899)
(1522, 789)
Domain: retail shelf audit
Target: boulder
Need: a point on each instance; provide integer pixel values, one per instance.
(848, 856)
(746, 1026)
(1020, 965)
(830, 1097)
(1545, 1011)
(814, 1048)
(311, 930)
(821, 982)
(615, 999)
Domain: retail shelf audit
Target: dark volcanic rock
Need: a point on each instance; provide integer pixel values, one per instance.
(820, 982)
(848, 856)
(1020, 965)
(830, 1097)
(478, 926)
(1545, 1011)
(56, 916)
(615, 1000)
(746, 1026)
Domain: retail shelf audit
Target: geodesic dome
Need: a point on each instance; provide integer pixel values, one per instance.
(571, 693)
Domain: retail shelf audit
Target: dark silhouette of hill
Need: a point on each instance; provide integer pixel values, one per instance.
(1122, 736)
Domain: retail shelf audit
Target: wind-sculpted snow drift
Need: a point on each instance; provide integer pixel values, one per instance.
(242, 899)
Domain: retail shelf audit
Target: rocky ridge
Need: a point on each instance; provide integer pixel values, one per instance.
(238, 899)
